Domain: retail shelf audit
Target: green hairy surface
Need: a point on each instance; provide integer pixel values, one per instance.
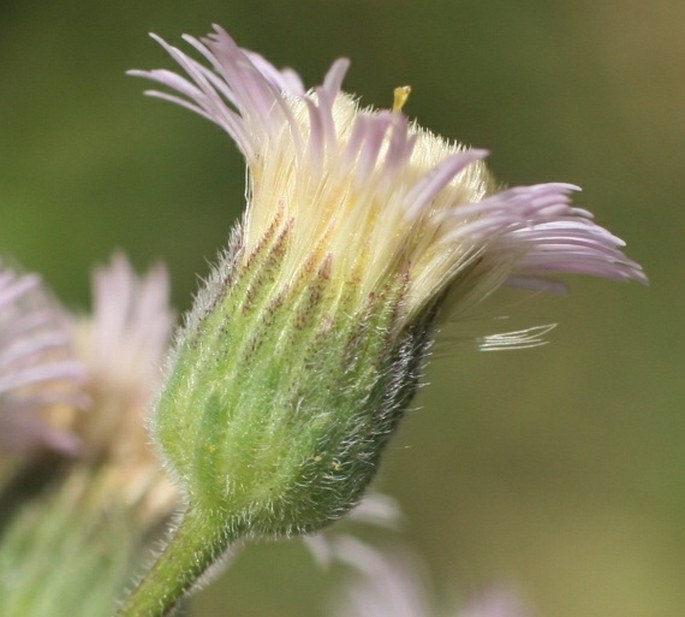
(282, 393)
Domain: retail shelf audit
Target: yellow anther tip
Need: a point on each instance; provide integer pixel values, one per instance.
(401, 94)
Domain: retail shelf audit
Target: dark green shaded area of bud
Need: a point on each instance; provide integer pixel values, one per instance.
(281, 395)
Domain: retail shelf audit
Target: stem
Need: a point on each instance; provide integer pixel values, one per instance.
(194, 546)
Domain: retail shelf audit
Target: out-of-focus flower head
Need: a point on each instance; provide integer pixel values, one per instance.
(382, 584)
(98, 510)
(38, 368)
(84, 384)
(495, 602)
(394, 582)
(122, 344)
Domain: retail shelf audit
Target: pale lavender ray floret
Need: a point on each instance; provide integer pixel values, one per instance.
(130, 325)
(552, 236)
(252, 86)
(405, 197)
(37, 365)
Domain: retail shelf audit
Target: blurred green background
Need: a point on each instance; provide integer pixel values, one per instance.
(559, 469)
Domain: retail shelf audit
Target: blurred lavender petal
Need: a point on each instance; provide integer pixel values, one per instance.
(376, 510)
(123, 344)
(495, 602)
(38, 368)
(385, 583)
(394, 582)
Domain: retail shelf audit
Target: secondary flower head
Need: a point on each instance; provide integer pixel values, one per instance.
(98, 510)
(122, 345)
(38, 368)
(83, 384)
(361, 229)
(394, 583)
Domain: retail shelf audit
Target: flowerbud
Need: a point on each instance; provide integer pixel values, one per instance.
(283, 394)
(362, 231)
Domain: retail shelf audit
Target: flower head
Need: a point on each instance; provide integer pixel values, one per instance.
(373, 198)
(84, 384)
(304, 348)
(38, 368)
(122, 345)
(361, 229)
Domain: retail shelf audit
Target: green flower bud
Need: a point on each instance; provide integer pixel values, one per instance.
(281, 397)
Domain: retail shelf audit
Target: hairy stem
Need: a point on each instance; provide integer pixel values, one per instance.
(195, 544)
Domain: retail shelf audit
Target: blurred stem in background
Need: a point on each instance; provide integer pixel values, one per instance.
(62, 553)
